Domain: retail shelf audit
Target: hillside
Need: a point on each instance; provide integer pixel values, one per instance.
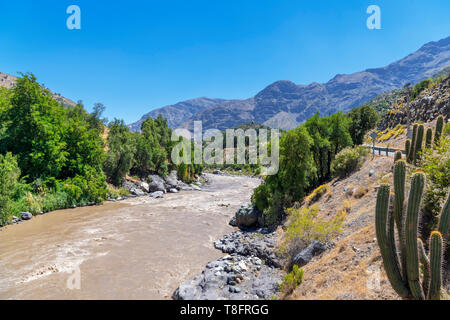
(343, 271)
(284, 104)
(7, 81)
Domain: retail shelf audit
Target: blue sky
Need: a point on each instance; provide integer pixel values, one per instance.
(134, 56)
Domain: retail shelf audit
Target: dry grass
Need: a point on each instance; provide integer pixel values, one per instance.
(354, 263)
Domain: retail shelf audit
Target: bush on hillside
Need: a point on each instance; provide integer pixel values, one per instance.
(304, 226)
(348, 161)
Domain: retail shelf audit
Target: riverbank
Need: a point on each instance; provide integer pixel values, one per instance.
(250, 271)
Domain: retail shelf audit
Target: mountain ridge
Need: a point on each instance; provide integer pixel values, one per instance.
(284, 104)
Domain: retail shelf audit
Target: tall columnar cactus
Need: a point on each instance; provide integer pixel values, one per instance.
(439, 128)
(419, 142)
(404, 271)
(429, 138)
(413, 144)
(407, 148)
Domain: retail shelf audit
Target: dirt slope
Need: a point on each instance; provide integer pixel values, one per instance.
(352, 269)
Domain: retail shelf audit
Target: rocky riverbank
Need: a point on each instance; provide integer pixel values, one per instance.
(251, 269)
(154, 186)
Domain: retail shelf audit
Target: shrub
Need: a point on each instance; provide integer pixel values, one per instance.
(348, 161)
(291, 280)
(435, 163)
(303, 227)
(9, 181)
(317, 194)
(360, 192)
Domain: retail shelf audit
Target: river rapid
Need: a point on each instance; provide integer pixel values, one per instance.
(139, 248)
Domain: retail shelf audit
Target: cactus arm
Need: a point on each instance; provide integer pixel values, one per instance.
(386, 248)
(426, 267)
(419, 141)
(399, 189)
(435, 265)
(445, 219)
(407, 149)
(413, 144)
(439, 128)
(411, 226)
(429, 138)
(397, 156)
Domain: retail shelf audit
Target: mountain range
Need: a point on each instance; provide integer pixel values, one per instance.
(285, 105)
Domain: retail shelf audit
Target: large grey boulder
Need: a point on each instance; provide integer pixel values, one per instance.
(247, 216)
(156, 183)
(314, 249)
(26, 215)
(172, 180)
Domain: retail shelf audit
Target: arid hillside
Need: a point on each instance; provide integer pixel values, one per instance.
(352, 268)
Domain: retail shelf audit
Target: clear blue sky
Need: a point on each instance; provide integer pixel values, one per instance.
(134, 56)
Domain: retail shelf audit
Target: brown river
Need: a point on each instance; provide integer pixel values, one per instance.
(139, 248)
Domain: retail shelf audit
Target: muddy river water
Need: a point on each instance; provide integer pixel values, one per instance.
(140, 248)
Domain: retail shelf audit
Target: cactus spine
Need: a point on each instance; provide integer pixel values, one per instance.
(407, 281)
(429, 138)
(419, 141)
(439, 128)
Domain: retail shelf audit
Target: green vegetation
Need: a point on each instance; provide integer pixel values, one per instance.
(348, 161)
(54, 156)
(404, 273)
(435, 163)
(306, 158)
(363, 119)
(291, 280)
(418, 88)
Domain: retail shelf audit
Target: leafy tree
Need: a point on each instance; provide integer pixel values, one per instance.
(362, 120)
(121, 150)
(296, 168)
(9, 178)
(34, 132)
(319, 130)
(153, 147)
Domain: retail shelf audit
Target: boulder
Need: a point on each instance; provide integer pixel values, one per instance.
(233, 222)
(173, 190)
(26, 215)
(156, 184)
(145, 187)
(137, 192)
(247, 216)
(172, 180)
(314, 249)
(156, 194)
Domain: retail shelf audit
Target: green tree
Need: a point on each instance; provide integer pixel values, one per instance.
(362, 120)
(9, 177)
(34, 131)
(121, 150)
